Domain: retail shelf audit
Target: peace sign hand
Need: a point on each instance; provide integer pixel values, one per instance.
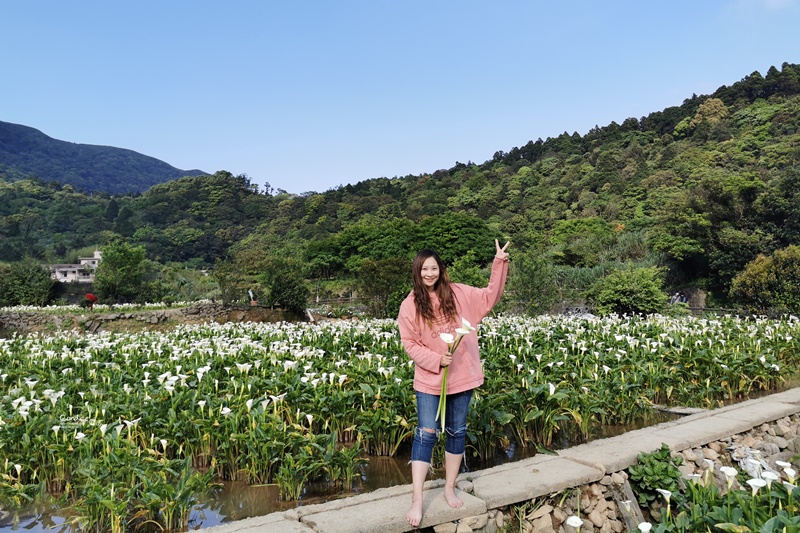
(501, 252)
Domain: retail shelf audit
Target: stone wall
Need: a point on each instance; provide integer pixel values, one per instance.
(597, 503)
(93, 321)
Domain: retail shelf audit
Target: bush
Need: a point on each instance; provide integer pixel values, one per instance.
(653, 471)
(629, 291)
(770, 282)
(289, 292)
(26, 282)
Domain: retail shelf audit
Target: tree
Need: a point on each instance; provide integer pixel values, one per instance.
(453, 235)
(465, 270)
(733, 249)
(282, 282)
(532, 282)
(381, 279)
(6, 298)
(112, 210)
(289, 292)
(120, 274)
(580, 242)
(231, 279)
(712, 111)
(30, 283)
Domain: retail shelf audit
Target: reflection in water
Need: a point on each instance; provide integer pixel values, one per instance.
(237, 500)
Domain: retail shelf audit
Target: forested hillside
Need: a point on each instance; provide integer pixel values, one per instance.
(26, 152)
(694, 191)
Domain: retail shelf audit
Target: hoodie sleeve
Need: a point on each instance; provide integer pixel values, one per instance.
(412, 337)
(483, 300)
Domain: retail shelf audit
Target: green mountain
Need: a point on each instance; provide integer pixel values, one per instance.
(25, 151)
(698, 190)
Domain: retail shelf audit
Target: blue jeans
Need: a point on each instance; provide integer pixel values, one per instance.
(455, 428)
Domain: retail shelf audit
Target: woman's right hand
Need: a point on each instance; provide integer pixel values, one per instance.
(446, 360)
(501, 253)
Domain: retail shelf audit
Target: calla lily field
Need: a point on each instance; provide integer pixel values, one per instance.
(128, 429)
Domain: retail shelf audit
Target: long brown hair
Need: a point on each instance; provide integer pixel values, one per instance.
(442, 288)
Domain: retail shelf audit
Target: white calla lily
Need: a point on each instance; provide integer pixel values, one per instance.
(755, 484)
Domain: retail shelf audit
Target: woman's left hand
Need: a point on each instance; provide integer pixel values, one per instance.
(501, 252)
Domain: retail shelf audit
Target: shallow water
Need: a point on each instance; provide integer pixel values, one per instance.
(237, 500)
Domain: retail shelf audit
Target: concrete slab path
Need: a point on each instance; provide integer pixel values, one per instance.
(383, 510)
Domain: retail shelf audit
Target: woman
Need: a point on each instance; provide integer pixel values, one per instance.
(437, 306)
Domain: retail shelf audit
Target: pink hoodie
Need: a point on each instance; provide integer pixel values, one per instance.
(423, 345)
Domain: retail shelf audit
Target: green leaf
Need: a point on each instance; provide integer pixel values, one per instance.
(733, 528)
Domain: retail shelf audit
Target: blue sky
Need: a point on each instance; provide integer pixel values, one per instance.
(309, 95)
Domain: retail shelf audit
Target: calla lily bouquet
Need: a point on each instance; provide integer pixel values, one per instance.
(452, 343)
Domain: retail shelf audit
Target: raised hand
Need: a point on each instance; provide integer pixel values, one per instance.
(501, 252)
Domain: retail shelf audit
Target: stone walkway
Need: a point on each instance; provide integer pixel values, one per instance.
(383, 510)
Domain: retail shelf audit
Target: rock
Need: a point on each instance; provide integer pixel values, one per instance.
(783, 456)
(768, 448)
(585, 501)
(617, 478)
(716, 446)
(447, 527)
(710, 454)
(693, 456)
(463, 528)
(491, 527)
(499, 519)
(540, 512)
(466, 485)
(780, 442)
(543, 524)
(748, 441)
(606, 481)
(617, 526)
(596, 518)
(476, 522)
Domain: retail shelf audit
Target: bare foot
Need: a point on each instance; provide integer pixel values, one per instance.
(452, 500)
(414, 514)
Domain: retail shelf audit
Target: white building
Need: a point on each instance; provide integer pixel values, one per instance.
(82, 273)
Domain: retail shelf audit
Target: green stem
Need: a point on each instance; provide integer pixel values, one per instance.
(443, 398)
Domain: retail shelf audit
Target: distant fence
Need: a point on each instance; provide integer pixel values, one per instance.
(314, 302)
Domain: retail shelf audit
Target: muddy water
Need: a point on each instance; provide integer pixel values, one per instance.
(237, 500)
